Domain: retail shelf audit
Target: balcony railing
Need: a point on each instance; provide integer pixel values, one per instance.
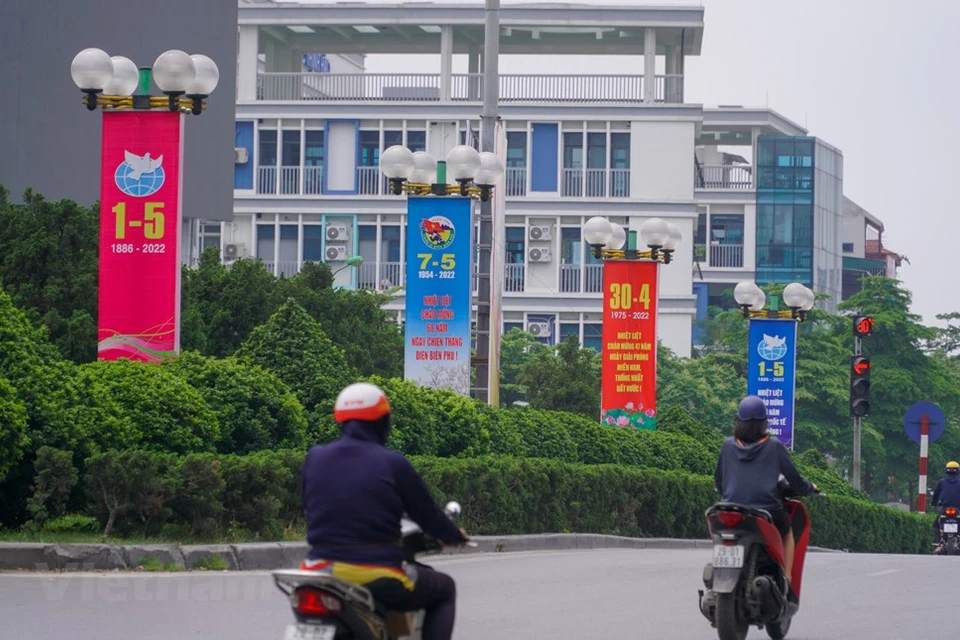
(576, 278)
(513, 278)
(381, 277)
(723, 177)
(465, 87)
(370, 182)
(595, 183)
(290, 180)
(721, 256)
(515, 181)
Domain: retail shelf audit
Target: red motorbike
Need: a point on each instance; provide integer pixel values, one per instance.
(745, 582)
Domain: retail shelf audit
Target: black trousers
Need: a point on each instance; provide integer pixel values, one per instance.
(434, 592)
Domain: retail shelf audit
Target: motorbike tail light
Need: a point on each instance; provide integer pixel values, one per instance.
(730, 518)
(950, 512)
(314, 602)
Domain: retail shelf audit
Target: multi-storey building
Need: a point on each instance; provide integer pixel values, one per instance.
(628, 147)
(863, 252)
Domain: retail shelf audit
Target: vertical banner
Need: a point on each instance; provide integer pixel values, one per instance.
(628, 396)
(498, 262)
(772, 373)
(439, 296)
(140, 196)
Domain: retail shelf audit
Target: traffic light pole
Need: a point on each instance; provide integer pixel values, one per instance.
(857, 424)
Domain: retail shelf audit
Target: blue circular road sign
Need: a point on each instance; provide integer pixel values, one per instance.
(912, 419)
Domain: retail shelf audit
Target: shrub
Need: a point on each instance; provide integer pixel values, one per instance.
(54, 480)
(130, 490)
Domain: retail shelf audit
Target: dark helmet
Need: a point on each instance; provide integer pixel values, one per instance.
(752, 408)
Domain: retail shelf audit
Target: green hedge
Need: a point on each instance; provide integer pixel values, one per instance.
(204, 494)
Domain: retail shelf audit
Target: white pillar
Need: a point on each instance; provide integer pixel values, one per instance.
(650, 65)
(446, 63)
(473, 71)
(247, 64)
(673, 81)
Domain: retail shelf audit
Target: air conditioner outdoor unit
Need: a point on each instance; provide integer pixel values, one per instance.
(240, 155)
(233, 251)
(336, 254)
(540, 233)
(337, 232)
(539, 329)
(539, 255)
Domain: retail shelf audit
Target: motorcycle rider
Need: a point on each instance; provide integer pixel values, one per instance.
(355, 492)
(749, 468)
(946, 494)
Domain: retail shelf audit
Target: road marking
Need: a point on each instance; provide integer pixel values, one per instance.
(885, 572)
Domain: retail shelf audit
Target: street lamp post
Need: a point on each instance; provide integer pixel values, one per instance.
(140, 193)
(630, 300)
(439, 258)
(352, 261)
(772, 350)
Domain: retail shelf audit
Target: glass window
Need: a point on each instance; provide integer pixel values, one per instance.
(620, 150)
(726, 229)
(417, 140)
(701, 235)
(369, 148)
(596, 150)
(313, 242)
(291, 148)
(516, 148)
(288, 242)
(570, 240)
(573, 151)
(391, 138)
(516, 240)
(569, 329)
(848, 247)
(313, 149)
(265, 242)
(510, 326)
(593, 336)
(390, 243)
(268, 148)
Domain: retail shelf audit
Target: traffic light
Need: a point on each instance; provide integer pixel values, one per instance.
(862, 326)
(859, 386)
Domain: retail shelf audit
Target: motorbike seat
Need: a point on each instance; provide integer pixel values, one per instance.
(732, 506)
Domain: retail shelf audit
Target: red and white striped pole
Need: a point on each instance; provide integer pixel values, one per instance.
(924, 446)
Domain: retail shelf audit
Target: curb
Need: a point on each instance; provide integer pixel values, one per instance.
(268, 556)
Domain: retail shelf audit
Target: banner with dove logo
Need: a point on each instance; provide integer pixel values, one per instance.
(139, 293)
(772, 372)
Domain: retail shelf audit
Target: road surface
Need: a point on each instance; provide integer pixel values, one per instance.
(601, 594)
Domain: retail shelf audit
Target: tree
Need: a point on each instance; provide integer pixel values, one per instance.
(516, 349)
(255, 409)
(293, 345)
(48, 265)
(567, 380)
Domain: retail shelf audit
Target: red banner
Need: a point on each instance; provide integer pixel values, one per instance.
(629, 383)
(140, 176)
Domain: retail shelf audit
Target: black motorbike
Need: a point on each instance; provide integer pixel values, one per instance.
(949, 522)
(329, 608)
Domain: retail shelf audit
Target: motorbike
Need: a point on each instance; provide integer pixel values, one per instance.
(330, 608)
(745, 581)
(949, 520)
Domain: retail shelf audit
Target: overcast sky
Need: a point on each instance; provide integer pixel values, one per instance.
(876, 79)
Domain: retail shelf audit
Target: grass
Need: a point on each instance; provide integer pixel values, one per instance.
(212, 563)
(295, 534)
(151, 563)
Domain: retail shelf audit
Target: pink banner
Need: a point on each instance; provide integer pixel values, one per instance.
(140, 176)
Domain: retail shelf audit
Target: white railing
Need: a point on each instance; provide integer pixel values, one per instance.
(515, 181)
(370, 182)
(576, 278)
(593, 183)
(721, 256)
(464, 87)
(290, 180)
(723, 177)
(514, 275)
(382, 277)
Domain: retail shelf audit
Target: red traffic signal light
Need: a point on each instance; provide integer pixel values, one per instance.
(862, 326)
(859, 386)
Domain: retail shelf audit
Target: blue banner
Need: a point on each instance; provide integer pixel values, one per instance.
(439, 296)
(772, 372)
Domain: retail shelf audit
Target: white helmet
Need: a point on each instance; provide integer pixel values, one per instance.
(361, 401)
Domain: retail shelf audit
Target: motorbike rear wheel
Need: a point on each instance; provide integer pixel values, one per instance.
(729, 624)
(778, 630)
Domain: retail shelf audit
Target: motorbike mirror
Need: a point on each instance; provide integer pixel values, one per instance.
(453, 509)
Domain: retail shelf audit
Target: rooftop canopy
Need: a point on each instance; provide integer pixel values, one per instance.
(533, 28)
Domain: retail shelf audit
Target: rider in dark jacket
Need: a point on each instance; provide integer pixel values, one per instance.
(355, 492)
(749, 468)
(947, 494)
